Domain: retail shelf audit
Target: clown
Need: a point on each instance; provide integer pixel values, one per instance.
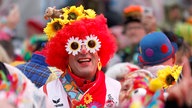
(139, 90)
(80, 44)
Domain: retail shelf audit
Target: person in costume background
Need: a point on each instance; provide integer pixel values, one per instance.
(16, 91)
(32, 44)
(183, 52)
(157, 55)
(10, 17)
(134, 31)
(119, 70)
(156, 51)
(138, 91)
(149, 20)
(79, 43)
(173, 16)
(122, 43)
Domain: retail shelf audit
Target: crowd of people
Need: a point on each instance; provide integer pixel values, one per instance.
(84, 57)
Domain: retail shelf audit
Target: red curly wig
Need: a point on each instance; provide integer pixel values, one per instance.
(57, 55)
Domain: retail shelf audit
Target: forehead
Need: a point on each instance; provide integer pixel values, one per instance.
(139, 73)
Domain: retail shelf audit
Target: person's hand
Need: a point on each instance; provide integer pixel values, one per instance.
(182, 92)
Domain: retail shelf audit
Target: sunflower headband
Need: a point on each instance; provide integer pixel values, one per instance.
(64, 16)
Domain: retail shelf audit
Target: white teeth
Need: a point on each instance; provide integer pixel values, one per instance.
(84, 60)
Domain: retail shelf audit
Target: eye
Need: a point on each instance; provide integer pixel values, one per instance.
(91, 43)
(139, 92)
(74, 45)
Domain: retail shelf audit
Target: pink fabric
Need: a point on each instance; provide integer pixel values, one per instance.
(4, 36)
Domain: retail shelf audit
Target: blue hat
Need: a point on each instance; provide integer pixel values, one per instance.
(155, 48)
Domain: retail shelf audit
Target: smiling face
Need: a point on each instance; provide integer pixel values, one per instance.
(135, 32)
(84, 64)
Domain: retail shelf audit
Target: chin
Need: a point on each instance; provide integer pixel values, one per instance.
(87, 73)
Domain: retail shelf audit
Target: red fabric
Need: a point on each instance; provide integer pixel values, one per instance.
(98, 91)
(35, 24)
(83, 84)
(42, 52)
(45, 89)
(18, 58)
(164, 48)
(4, 36)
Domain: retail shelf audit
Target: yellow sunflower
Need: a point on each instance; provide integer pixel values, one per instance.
(176, 70)
(80, 8)
(88, 98)
(155, 84)
(169, 75)
(73, 13)
(52, 27)
(90, 13)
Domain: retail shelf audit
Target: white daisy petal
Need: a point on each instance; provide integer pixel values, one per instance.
(97, 43)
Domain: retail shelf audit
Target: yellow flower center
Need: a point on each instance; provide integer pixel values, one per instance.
(57, 26)
(72, 16)
(169, 79)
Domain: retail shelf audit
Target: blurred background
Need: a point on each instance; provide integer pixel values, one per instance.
(22, 23)
(35, 9)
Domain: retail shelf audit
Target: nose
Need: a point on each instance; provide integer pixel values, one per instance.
(83, 50)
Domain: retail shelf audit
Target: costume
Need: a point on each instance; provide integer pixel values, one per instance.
(70, 30)
(132, 14)
(155, 48)
(143, 91)
(147, 88)
(18, 91)
(36, 69)
(34, 43)
(121, 69)
(65, 93)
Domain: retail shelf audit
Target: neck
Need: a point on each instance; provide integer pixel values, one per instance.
(169, 62)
